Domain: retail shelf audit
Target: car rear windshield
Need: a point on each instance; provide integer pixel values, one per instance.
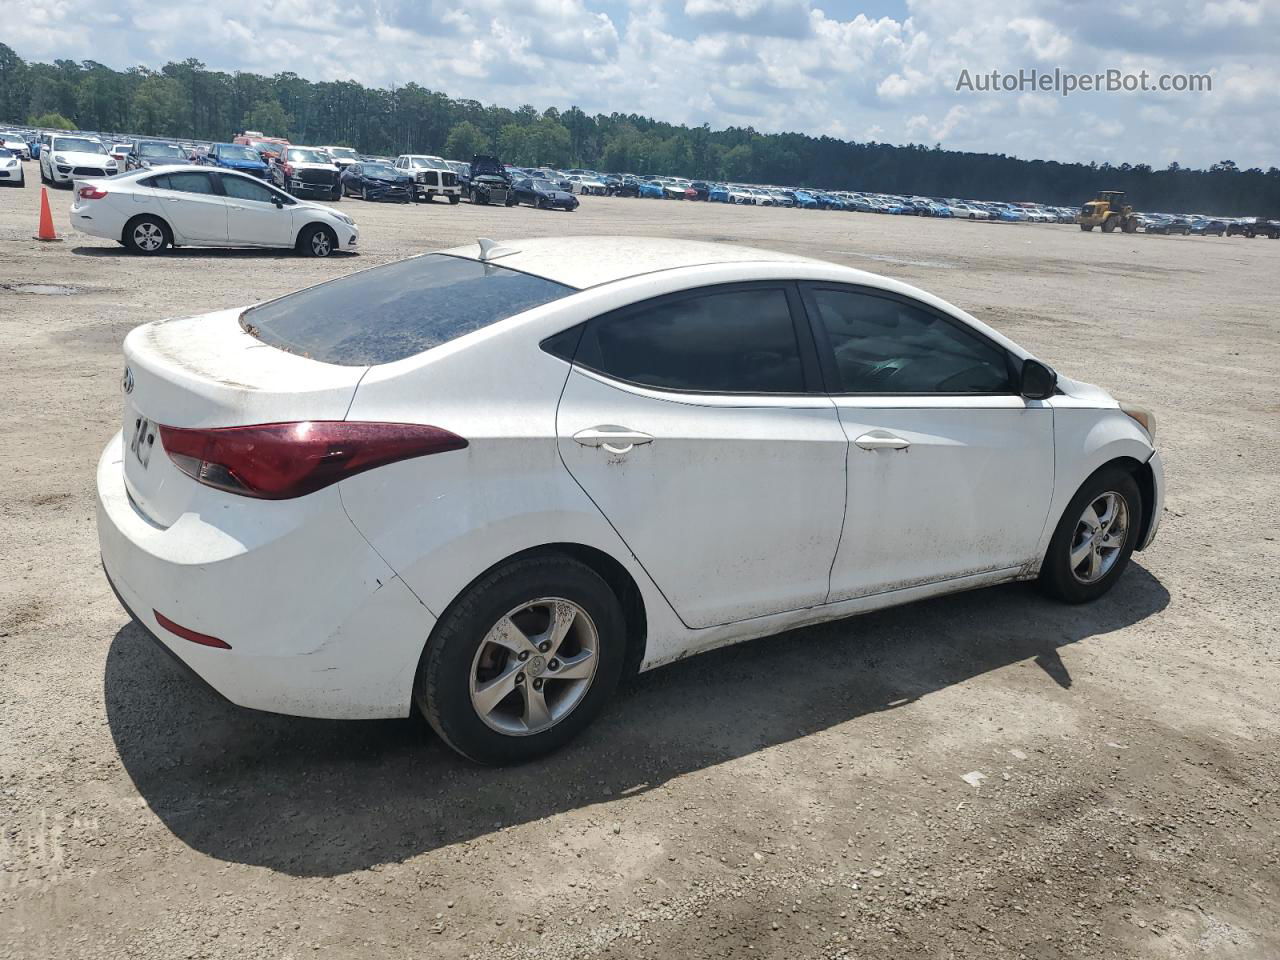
(398, 310)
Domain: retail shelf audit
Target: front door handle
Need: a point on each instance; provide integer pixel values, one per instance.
(881, 440)
(617, 440)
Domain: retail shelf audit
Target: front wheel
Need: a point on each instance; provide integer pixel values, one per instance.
(317, 240)
(523, 660)
(453, 198)
(1094, 539)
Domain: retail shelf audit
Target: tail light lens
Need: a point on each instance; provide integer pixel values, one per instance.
(92, 193)
(279, 461)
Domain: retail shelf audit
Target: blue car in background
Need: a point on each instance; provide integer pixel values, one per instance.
(806, 200)
(718, 193)
(236, 156)
(652, 190)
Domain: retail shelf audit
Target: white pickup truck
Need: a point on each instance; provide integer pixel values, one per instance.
(432, 177)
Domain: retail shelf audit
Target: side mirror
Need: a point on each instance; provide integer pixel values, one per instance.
(1038, 381)
(278, 202)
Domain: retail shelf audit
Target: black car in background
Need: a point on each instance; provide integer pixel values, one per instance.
(542, 194)
(489, 182)
(624, 187)
(144, 154)
(376, 181)
(702, 188)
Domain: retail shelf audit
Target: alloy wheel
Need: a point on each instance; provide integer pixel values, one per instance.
(321, 245)
(534, 666)
(1099, 537)
(148, 237)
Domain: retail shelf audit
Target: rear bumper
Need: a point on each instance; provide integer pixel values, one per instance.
(318, 624)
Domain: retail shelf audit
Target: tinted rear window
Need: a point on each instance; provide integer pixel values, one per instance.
(398, 310)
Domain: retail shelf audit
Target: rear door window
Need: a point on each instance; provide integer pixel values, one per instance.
(398, 310)
(189, 182)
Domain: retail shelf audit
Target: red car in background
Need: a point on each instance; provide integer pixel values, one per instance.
(269, 147)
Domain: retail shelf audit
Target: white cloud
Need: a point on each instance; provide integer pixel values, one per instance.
(772, 64)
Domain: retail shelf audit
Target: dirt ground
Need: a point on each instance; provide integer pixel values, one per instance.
(815, 794)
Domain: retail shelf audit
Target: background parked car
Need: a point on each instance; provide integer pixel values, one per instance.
(73, 157)
(432, 177)
(341, 156)
(542, 194)
(489, 181)
(146, 154)
(11, 172)
(237, 156)
(376, 181)
(305, 171)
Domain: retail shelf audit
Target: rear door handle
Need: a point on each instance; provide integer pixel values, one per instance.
(614, 439)
(881, 440)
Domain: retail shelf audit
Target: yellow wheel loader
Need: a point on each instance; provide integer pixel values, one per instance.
(1108, 211)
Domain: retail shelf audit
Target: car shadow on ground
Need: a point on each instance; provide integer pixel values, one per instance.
(202, 253)
(319, 798)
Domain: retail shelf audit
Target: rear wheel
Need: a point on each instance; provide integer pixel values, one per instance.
(1086, 227)
(147, 235)
(523, 660)
(1094, 539)
(317, 240)
(453, 198)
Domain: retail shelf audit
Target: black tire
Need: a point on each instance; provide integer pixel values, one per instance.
(1057, 578)
(442, 689)
(337, 195)
(317, 240)
(140, 236)
(453, 198)
(1086, 227)
(364, 194)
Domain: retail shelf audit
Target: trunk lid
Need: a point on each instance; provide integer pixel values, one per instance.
(207, 371)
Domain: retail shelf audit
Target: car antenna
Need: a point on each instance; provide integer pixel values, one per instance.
(492, 249)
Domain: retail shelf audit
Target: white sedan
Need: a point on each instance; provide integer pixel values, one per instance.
(11, 171)
(491, 480)
(149, 210)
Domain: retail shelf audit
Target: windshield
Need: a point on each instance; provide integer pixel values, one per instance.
(544, 185)
(160, 150)
(398, 310)
(381, 170)
(78, 145)
(306, 156)
(346, 153)
(236, 152)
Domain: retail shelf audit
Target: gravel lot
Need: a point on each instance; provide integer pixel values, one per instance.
(806, 795)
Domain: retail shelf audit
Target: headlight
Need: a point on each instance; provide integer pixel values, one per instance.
(1144, 417)
(59, 158)
(111, 162)
(345, 219)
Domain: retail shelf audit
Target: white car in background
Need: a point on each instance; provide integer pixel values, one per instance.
(11, 170)
(491, 480)
(16, 143)
(68, 158)
(966, 211)
(342, 157)
(148, 211)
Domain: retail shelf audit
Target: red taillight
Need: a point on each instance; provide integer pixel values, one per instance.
(92, 193)
(179, 630)
(277, 461)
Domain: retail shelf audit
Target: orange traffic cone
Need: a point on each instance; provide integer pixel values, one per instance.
(46, 218)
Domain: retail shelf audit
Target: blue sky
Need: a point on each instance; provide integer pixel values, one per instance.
(880, 70)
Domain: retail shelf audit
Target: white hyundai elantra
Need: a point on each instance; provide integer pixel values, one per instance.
(490, 480)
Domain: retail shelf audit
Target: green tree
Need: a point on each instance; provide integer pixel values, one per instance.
(52, 121)
(13, 85)
(269, 117)
(465, 141)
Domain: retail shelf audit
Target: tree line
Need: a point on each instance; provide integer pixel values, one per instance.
(187, 100)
